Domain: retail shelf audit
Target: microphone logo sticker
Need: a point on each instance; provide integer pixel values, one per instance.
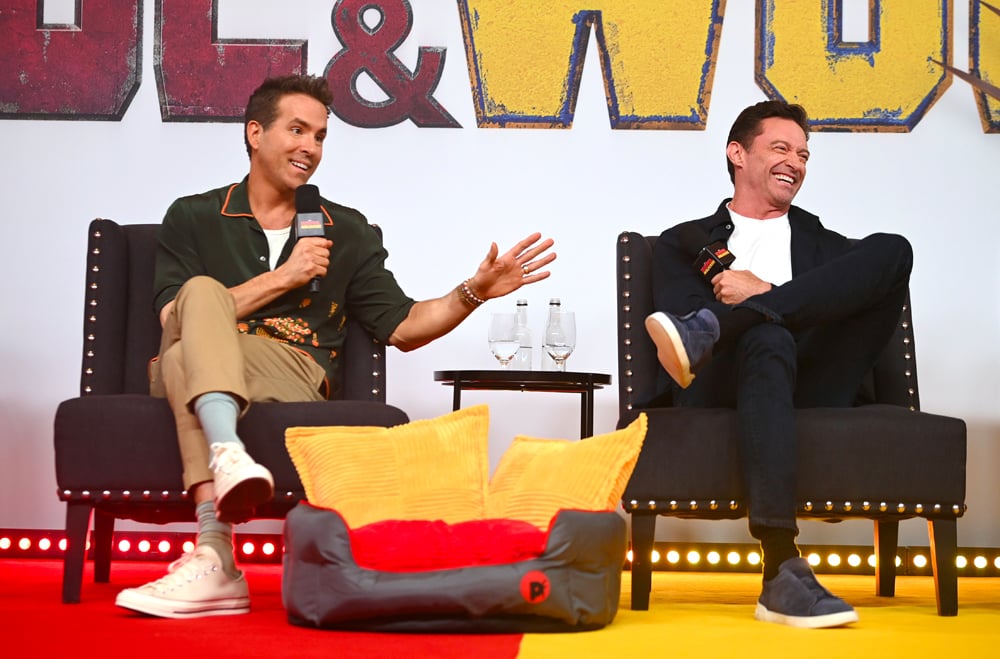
(311, 222)
(535, 587)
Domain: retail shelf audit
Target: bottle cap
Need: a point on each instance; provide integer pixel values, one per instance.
(554, 300)
(522, 303)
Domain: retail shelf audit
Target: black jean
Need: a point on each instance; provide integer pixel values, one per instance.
(819, 335)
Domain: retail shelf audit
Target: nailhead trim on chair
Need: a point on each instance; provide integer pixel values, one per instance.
(627, 324)
(93, 284)
(115, 496)
(377, 379)
(901, 509)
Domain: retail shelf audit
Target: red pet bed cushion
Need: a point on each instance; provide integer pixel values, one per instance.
(410, 546)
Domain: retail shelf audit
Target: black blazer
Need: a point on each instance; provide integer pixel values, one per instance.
(678, 288)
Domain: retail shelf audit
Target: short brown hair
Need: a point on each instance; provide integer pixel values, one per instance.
(748, 125)
(263, 104)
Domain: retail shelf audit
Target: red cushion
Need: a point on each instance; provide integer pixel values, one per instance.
(412, 546)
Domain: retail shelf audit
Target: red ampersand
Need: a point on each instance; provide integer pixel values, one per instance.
(369, 50)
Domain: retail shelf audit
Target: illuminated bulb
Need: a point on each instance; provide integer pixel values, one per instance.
(628, 555)
(961, 562)
(872, 560)
(996, 562)
(44, 544)
(5, 543)
(920, 561)
(268, 548)
(693, 557)
(714, 557)
(673, 557)
(733, 557)
(187, 547)
(899, 561)
(833, 560)
(163, 547)
(248, 548)
(980, 562)
(63, 544)
(813, 559)
(753, 558)
(654, 556)
(854, 560)
(124, 545)
(24, 544)
(145, 546)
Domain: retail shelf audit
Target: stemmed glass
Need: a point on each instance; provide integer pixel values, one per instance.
(560, 337)
(503, 337)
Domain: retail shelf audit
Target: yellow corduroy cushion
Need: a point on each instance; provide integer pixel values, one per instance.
(536, 478)
(434, 469)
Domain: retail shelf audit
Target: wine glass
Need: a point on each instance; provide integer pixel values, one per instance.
(560, 337)
(503, 337)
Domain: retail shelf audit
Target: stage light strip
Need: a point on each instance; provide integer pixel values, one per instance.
(136, 545)
(700, 557)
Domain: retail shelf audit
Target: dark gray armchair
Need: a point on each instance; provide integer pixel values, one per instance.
(116, 450)
(885, 461)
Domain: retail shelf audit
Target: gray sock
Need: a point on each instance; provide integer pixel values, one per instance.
(218, 412)
(217, 535)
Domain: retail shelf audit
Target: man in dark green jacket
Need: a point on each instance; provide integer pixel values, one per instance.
(241, 323)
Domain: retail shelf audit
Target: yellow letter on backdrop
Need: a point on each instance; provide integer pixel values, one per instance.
(525, 59)
(984, 58)
(886, 83)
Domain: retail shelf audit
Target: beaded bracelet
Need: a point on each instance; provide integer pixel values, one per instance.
(470, 298)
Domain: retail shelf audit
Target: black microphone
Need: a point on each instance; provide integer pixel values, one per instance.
(308, 219)
(710, 258)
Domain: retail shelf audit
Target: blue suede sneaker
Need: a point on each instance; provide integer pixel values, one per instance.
(683, 345)
(797, 599)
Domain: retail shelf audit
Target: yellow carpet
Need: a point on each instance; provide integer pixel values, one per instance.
(711, 615)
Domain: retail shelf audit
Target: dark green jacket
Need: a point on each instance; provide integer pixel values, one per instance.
(215, 234)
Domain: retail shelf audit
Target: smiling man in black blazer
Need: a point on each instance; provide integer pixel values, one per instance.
(796, 319)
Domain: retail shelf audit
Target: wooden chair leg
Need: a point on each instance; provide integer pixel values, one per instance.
(944, 549)
(886, 546)
(104, 528)
(77, 525)
(643, 532)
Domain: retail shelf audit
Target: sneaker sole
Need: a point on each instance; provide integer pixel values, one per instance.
(670, 349)
(238, 503)
(164, 608)
(806, 622)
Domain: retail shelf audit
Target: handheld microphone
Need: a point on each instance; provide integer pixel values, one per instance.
(710, 259)
(308, 219)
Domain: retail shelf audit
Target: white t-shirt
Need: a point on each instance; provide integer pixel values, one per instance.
(276, 239)
(764, 247)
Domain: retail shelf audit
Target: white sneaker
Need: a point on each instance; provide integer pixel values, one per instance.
(195, 586)
(240, 483)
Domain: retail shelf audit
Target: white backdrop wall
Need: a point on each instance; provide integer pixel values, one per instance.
(441, 196)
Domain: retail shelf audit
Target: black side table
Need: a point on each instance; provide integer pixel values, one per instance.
(558, 381)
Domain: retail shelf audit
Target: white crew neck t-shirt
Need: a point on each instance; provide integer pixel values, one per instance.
(276, 239)
(764, 247)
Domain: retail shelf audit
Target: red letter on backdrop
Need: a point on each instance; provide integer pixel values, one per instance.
(200, 77)
(89, 70)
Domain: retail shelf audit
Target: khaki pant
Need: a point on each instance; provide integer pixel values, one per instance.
(201, 351)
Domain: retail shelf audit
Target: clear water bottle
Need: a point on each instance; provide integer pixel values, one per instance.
(522, 360)
(549, 364)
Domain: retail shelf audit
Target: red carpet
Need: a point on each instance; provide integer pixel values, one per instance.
(35, 623)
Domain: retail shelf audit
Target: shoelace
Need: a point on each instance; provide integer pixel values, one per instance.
(185, 569)
(224, 459)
